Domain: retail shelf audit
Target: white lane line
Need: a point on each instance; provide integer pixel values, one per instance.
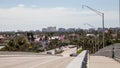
(45, 62)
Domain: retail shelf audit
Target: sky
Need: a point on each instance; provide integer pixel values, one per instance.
(37, 14)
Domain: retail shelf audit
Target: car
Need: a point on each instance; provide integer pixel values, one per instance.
(71, 46)
(49, 52)
(73, 54)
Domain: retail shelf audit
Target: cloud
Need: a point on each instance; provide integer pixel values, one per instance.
(23, 17)
(33, 6)
(20, 5)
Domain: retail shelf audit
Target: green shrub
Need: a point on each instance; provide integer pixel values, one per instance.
(79, 51)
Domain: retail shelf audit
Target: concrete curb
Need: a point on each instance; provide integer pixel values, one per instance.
(80, 61)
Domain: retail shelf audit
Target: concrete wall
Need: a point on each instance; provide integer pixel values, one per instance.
(80, 61)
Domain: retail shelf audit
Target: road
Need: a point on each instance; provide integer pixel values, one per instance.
(34, 61)
(68, 51)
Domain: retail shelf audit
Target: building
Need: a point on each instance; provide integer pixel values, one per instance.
(44, 30)
(90, 35)
(78, 29)
(61, 30)
(49, 29)
(71, 29)
(91, 30)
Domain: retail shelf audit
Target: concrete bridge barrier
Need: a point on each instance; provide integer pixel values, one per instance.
(81, 61)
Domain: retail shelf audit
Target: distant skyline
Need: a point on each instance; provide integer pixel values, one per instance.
(37, 14)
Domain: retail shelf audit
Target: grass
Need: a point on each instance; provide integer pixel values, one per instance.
(79, 51)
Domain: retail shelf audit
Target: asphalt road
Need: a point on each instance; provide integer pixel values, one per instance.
(68, 51)
(35, 60)
(32, 61)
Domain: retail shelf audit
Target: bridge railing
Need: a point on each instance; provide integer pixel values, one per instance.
(81, 61)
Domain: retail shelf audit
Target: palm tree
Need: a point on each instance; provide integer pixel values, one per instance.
(18, 44)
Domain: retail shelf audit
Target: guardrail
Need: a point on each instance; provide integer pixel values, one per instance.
(81, 61)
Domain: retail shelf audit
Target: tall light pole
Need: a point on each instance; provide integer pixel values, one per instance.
(119, 13)
(102, 15)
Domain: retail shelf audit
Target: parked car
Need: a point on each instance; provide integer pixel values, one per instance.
(73, 54)
(49, 52)
(71, 46)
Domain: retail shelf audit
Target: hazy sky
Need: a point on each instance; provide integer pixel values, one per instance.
(37, 14)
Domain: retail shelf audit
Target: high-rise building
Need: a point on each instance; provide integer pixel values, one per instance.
(49, 29)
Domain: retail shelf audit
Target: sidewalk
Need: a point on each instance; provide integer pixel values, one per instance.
(103, 62)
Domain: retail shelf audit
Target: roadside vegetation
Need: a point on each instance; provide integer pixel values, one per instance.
(79, 51)
(26, 41)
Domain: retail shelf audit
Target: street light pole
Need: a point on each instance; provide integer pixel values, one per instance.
(119, 13)
(103, 29)
(101, 14)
